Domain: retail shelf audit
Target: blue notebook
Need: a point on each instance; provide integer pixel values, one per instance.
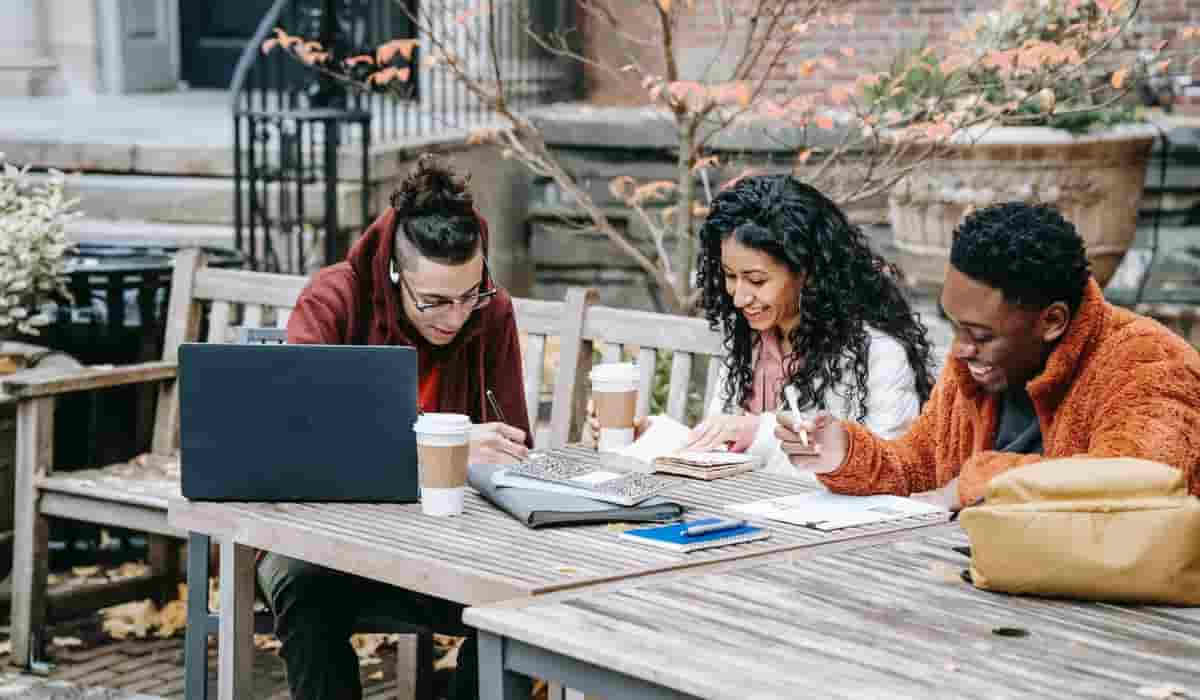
(672, 537)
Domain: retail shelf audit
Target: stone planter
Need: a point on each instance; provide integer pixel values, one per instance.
(1095, 180)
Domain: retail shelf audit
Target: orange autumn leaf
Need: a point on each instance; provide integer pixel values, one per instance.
(622, 187)
(807, 68)
(824, 122)
(388, 75)
(665, 6)
(386, 52)
(839, 94)
(804, 155)
(748, 172)
(659, 189)
(1118, 78)
(355, 60)
(286, 40)
(1162, 66)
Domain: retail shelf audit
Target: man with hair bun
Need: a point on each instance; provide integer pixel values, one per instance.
(1041, 367)
(417, 277)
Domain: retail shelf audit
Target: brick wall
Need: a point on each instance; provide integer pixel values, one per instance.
(880, 28)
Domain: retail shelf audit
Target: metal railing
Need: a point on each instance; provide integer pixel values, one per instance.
(298, 196)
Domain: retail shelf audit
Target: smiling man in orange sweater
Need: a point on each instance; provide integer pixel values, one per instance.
(1041, 367)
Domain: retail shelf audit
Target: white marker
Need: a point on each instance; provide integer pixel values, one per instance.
(789, 392)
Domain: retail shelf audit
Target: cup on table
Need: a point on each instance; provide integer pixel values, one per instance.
(615, 392)
(443, 446)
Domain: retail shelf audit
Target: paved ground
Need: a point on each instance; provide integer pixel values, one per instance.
(152, 669)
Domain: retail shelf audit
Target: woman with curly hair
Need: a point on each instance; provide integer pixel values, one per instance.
(802, 300)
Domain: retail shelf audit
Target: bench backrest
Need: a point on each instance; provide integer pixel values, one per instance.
(238, 298)
(622, 335)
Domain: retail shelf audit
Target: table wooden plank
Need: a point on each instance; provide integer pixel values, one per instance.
(485, 555)
(886, 620)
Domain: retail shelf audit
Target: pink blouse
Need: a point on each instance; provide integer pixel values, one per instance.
(767, 384)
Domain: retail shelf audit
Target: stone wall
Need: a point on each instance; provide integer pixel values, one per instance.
(880, 29)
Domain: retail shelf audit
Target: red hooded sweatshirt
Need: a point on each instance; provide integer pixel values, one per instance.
(355, 303)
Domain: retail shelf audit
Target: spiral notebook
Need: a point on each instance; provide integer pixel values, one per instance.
(672, 537)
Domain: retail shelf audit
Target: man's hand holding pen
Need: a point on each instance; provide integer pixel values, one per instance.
(497, 442)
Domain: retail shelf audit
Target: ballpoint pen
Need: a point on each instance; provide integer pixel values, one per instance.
(495, 406)
(708, 528)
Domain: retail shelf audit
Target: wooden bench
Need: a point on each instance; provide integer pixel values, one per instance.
(134, 495)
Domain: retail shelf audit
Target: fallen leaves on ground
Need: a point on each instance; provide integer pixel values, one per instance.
(266, 642)
(141, 618)
(449, 660)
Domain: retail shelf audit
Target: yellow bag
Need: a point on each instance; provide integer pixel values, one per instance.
(1118, 529)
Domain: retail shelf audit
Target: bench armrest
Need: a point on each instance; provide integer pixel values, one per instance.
(51, 382)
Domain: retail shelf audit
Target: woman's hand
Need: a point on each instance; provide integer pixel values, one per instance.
(720, 432)
(590, 435)
(497, 443)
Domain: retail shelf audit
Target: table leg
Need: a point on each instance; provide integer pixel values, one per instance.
(496, 682)
(235, 640)
(196, 635)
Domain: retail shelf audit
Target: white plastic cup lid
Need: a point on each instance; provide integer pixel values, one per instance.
(614, 372)
(442, 424)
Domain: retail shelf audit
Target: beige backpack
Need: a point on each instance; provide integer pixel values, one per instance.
(1119, 529)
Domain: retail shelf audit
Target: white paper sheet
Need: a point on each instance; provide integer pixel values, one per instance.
(831, 511)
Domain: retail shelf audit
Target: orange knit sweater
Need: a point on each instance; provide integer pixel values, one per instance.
(1117, 384)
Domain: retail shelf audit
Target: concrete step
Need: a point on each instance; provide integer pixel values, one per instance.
(199, 200)
(133, 231)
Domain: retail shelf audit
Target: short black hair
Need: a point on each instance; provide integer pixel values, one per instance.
(1033, 255)
(435, 214)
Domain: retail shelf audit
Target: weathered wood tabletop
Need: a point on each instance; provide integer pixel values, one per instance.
(891, 620)
(482, 556)
(485, 555)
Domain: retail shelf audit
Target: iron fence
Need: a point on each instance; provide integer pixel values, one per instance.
(303, 137)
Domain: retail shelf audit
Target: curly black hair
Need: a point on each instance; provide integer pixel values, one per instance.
(848, 288)
(1029, 252)
(436, 213)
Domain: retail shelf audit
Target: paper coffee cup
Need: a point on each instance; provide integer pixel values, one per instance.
(443, 446)
(614, 391)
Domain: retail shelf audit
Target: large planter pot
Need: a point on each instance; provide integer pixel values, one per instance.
(1095, 180)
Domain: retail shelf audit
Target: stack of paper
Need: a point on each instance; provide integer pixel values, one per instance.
(830, 511)
(661, 446)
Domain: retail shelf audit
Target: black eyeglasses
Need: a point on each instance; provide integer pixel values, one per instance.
(475, 299)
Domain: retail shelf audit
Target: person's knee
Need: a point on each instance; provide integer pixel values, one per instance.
(290, 583)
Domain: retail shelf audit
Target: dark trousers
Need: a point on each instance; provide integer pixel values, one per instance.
(316, 609)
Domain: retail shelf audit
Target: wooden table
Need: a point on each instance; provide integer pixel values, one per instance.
(483, 556)
(892, 620)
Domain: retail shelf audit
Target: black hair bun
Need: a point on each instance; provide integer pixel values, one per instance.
(433, 188)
